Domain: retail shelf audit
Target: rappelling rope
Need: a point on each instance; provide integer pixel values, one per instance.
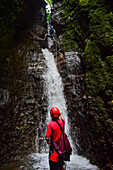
(56, 46)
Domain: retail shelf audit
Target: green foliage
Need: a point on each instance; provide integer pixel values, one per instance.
(9, 11)
(48, 15)
(83, 2)
(47, 12)
(76, 22)
(50, 2)
(90, 26)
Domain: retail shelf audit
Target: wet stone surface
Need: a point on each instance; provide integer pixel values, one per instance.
(21, 94)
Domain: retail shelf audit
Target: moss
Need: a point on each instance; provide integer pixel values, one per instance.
(90, 27)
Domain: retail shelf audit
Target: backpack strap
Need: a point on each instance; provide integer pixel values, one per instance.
(60, 125)
(62, 131)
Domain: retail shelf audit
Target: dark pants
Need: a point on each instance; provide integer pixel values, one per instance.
(56, 165)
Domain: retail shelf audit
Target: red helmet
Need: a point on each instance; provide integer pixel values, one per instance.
(54, 112)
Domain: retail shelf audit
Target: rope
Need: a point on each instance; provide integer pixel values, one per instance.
(56, 46)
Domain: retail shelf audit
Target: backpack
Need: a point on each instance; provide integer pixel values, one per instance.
(63, 147)
(51, 31)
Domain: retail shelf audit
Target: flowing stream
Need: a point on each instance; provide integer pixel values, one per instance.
(54, 91)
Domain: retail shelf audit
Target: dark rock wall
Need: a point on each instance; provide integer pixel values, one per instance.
(55, 1)
(83, 127)
(21, 87)
(22, 103)
(58, 18)
(72, 71)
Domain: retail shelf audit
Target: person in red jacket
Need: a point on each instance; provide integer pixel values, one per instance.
(53, 134)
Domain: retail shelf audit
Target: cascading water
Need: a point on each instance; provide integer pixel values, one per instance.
(53, 86)
(54, 92)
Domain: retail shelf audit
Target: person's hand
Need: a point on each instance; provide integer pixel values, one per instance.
(61, 115)
(48, 141)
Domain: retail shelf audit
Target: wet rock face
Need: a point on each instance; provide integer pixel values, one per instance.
(58, 18)
(55, 1)
(34, 12)
(21, 90)
(82, 124)
(72, 74)
(21, 107)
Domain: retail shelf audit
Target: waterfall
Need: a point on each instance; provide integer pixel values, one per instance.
(54, 87)
(54, 91)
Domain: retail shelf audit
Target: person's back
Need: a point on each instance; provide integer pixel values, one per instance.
(51, 30)
(52, 33)
(53, 134)
(56, 132)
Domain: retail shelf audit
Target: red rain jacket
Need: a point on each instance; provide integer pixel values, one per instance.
(54, 130)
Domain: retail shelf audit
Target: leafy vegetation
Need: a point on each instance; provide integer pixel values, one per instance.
(48, 12)
(10, 12)
(48, 15)
(50, 2)
(90, 28)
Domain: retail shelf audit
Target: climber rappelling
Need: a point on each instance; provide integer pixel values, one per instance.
(51, 33)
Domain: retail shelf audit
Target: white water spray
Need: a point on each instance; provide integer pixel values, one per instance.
(54, 87)
(54, 91)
